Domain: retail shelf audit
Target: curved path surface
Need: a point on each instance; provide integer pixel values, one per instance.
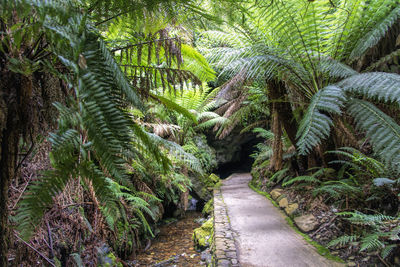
(263, 237)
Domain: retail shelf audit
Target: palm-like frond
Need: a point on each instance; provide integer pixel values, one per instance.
(375, 85)
(383, 131)
(315, 125)
(178, 108)
(305, 178)
(178, 152)
(379, 30)
(343, 240)
(94, 123)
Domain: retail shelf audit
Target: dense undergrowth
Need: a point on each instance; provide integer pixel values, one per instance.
(107, 108)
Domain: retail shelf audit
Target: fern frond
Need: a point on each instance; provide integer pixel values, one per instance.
(261, 132)
(177, 151)
(336, 189)
(372, 38)
(371, 242)
(174, 106)
(211, 123)
(375, 85)
(279, 175)
(383, 131)
(336, 69)
(343, 240)
(306, 179)
(387, 250)
(315, 125)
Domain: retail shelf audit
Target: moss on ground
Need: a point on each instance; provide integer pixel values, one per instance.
(203, 235)
(323, 251)
(208, 207)
(210, 182)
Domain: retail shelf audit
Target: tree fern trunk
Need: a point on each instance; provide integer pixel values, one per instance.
(282, 117)
(9, 152)
(276, 162)
(9, 135)
(15, 116)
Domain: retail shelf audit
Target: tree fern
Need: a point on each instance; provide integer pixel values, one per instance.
(93, 123)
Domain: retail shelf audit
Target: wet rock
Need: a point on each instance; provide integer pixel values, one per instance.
(283, 203)
(306, 223)
(276, 193)
(292, 208)
(206, 256)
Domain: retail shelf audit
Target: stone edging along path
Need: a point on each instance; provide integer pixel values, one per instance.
(225, 252)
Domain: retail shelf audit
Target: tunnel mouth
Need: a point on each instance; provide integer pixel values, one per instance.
(242, 161)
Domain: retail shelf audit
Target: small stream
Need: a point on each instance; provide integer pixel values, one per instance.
(173, 245)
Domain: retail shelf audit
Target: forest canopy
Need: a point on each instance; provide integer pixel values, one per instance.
(108, 108)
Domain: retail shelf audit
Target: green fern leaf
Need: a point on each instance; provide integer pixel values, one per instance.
(343, 240)
(315, 125)
(307, 179)
(375, 85)
(383, 131)
(372, 38)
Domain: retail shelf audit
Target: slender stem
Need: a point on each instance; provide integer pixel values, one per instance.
(43, 256)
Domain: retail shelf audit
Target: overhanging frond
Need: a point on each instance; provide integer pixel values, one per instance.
(383, 131)
(315, 125)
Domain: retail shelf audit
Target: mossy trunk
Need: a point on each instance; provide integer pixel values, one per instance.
(9, 136)
(276, 162)
(278, 96)
(282, 118)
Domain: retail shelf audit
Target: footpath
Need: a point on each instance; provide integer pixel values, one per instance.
(250, 231)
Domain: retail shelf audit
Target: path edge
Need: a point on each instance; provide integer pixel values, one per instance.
(224, 246)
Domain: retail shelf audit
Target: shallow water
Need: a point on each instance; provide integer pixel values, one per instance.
(174, 240)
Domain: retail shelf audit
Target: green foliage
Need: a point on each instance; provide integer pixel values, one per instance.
(279, 176)
(378, 235)
(208, 207)
(338, 189)
(377, 32)
(379, 127)
(383, 131)
(343, 240)
(202, 236)
(305, 179)
(308, 179)
(315, 125)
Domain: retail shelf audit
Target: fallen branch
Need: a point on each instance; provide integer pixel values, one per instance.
(43, 256)
(50, 240)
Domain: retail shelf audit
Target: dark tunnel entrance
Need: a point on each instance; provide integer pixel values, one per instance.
(241, 161)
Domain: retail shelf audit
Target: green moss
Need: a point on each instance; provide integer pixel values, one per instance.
(203, 234)
(113, 260)
(211, 180)
(323, 251)
(208, 207)
(213, 177)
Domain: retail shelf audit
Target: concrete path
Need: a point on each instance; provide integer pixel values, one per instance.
(263, 237)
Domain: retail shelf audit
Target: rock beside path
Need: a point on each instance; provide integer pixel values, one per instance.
(306, 223)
